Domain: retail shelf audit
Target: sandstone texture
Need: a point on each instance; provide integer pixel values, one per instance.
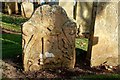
(27, 9)
(83, 16)
(68, 6)
(105, 42)
(48, 39)
(80, 12)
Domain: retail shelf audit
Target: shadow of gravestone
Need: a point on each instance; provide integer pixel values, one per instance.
(80, 57)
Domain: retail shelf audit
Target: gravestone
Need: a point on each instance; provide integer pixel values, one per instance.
(27, 9)
(68, 6)
(83, 17)
(105, 49)
(10, 7)
(48, 39)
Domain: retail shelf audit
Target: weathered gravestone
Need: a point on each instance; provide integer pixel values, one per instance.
(105, 41)
(48, 39)
(81, 12)
(11, 7)
(83, 16)
(27, 9)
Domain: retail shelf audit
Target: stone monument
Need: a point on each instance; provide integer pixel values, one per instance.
(105, 49)
(48, 39)
(27, 9)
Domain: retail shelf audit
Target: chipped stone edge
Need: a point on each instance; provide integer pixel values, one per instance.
(118, 34)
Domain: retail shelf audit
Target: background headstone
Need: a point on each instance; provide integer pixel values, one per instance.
(27, 9)
(10, 7)
(48, 39)
(68, 6)
(105, 41)
(83, 16)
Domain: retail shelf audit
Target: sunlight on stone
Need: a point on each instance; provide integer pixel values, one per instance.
(47, 54)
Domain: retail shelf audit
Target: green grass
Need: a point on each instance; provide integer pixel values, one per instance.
(11, 45)
(12, 22)
(81, 43)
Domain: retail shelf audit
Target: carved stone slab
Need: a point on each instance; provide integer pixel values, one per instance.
(105, 48)
(27, 9)
(48, 39)
(10, 6)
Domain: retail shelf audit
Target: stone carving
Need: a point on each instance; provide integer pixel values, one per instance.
(27, 9)
(48, 39)
(105, 50)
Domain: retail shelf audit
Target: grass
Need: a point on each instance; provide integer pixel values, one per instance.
(12, 23)
(11, 45)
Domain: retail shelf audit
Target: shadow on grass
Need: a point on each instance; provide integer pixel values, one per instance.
(12, 48)
(12, 23)
(80, 56)
(13, 19)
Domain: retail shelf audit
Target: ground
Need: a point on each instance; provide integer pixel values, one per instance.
(12, 57)
(12, 68)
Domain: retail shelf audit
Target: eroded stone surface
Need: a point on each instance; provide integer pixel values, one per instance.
(48, 39)
(27, 9)
(83, 16)
(81, 12)
(105, 48)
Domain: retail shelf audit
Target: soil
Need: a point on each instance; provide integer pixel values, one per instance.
(12, 68)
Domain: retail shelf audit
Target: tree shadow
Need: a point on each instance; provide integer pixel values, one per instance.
(12, 49)
(80, 57)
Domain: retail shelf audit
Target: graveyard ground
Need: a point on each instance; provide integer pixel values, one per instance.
(12, 57)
